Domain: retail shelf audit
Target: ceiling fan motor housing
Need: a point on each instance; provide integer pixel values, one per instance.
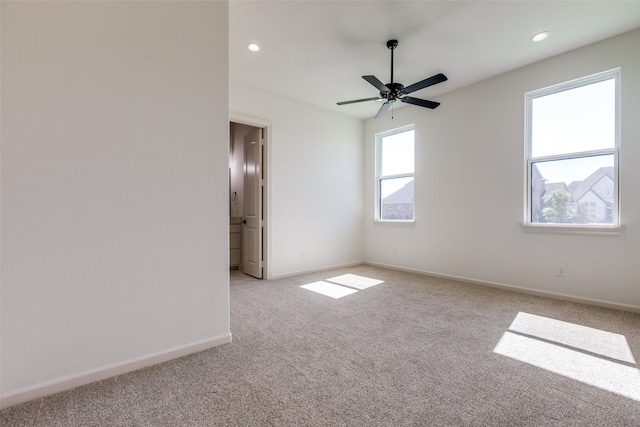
(396, 90)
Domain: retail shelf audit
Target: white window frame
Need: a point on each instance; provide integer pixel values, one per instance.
(529, 225)
(380, 177)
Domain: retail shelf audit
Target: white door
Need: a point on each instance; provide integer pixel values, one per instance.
(252, 223)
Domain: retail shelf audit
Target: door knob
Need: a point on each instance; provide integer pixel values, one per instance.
(244, 221)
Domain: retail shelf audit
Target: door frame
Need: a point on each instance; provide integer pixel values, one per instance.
(266, 190)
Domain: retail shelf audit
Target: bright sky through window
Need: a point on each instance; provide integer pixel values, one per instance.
(577, 120)
(398, 154)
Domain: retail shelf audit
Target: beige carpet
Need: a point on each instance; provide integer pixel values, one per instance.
(410, 350)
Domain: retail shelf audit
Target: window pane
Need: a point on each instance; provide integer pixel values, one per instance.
(574, 120)
(396, 198)
(397, 154)
(573, 191)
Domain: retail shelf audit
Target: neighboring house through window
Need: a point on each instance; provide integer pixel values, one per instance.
(394, 170)
(572, 153)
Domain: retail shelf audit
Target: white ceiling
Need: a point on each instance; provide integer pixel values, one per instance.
(317, 51)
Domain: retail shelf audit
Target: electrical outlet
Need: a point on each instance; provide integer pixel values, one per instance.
(562, 272)
(302, 253)
(394, 252)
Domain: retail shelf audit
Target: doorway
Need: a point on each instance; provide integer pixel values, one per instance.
(247, 199)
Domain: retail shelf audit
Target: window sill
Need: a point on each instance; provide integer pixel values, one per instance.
(570, 229)
(395, 222)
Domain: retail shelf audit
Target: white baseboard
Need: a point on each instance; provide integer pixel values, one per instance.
(313, 270)
(75, 380)
(547, 294)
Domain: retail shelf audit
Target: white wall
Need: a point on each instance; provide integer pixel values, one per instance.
(469, 185)
(315, 181)
(114, 188)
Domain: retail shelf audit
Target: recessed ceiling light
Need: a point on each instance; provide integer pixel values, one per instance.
(540, 36)
(253, 47)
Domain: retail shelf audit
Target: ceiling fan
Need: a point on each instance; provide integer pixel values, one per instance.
(393, 92)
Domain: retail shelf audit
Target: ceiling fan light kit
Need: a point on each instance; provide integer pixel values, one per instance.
(392, 92)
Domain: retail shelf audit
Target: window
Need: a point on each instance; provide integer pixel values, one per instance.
(572, 153)
(395, 168)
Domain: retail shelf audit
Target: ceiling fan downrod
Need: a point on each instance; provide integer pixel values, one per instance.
(391, 45)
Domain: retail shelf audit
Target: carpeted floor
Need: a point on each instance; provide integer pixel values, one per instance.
(412, 350)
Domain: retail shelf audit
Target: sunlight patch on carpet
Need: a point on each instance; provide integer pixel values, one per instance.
(608, 344)
(341, 286)
(355, 281)
(577, 355)
(329, 289)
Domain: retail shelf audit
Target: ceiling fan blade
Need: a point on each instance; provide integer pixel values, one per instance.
(421, 102)
(377, 83)
(375, 98)
(438, 78)
(383, 109)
